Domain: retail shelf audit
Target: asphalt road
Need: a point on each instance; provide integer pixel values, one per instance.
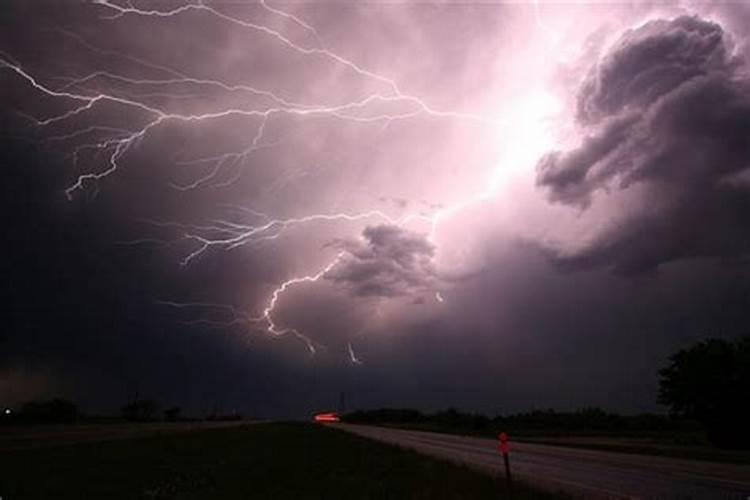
(583, 473)
(41, 436)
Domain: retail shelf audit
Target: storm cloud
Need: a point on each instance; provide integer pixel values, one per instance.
(368, 183)
(665, 117)
(388, 261)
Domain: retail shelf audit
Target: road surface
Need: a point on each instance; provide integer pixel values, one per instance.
(583, 473)
(41, 436)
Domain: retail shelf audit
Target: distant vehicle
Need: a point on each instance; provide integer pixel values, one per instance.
(327, 418)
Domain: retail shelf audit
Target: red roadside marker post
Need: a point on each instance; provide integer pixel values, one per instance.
(505, 450)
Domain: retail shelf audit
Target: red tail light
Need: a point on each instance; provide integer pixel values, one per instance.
(327, 418)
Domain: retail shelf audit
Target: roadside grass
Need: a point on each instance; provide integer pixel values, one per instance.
(689, 445)
(265, 461)
(646, 446)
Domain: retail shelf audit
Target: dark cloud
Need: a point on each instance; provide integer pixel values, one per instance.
(389, 261)
(665, 114)
(649, 62)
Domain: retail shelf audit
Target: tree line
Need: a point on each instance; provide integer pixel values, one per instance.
(705, 386)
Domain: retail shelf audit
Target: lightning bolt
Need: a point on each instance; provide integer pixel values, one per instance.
(84, 94)
(352, 356)
(236, 235)
(268, 311)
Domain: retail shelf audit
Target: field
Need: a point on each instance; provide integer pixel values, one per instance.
(266, 461)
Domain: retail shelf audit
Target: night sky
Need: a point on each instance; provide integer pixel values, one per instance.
(257, 206)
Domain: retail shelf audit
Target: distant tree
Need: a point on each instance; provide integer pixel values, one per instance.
(450, 418)
(480, 423)
(710, 382)
(172, 414)
(141, 409)
(547, 421)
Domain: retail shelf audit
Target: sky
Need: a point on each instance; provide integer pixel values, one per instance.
(255, 206)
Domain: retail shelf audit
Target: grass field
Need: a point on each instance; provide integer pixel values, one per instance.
(266, 461)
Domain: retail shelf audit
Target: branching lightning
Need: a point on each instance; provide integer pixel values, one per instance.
(85, 94)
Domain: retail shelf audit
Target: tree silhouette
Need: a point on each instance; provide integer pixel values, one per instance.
(172, 414)
(140, 410)
(710, 382)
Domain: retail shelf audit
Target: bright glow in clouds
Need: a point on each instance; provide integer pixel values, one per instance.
(531, 136)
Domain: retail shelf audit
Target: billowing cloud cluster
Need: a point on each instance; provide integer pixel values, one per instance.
(389, 261)
(665, 116)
